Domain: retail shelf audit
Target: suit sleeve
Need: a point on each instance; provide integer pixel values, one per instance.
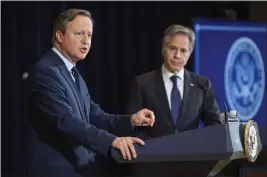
(110, 122)
(48, 98)
(211, 113)
(119, 125)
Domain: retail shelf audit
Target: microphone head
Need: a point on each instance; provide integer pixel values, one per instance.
(25, 75)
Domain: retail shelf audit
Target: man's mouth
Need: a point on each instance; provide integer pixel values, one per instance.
(83, 49)
(175, 63)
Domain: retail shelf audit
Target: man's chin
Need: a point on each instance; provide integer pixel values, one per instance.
(176, 69)
(82, 57)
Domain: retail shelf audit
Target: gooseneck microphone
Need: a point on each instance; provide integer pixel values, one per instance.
(202, 87)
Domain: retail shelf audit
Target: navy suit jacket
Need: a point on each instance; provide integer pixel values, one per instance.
(62, 120)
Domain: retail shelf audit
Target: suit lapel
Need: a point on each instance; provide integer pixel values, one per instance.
(65, 73)
(84, 91)
(162, 95)
(185, 102)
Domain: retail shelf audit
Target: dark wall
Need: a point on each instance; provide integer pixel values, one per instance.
(126, 42)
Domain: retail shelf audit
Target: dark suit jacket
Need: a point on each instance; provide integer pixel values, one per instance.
(149, 92)
(62, 120)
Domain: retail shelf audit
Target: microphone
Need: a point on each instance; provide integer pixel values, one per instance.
(25, 76)
(202, 87)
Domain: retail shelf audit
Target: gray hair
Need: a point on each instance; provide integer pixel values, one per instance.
(179, 29)
(65, 17)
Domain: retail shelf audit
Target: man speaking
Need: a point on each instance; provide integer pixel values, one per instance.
(63, 114)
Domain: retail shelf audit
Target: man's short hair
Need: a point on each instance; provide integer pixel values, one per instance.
(65, 17)
(179, 29)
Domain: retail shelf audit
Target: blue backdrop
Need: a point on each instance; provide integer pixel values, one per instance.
(233, 55)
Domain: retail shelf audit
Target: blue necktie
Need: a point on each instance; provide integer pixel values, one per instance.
(75, 74)
(175, 99)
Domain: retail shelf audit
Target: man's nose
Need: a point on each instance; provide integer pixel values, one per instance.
(177, 54)
(85, 39)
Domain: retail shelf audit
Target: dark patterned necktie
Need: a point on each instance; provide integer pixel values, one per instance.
(75, 74)
(175, 99)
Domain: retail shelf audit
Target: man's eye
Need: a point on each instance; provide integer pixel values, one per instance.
(78, 33)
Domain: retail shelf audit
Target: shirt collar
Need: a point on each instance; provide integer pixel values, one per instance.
(68, 64)
(167, 74)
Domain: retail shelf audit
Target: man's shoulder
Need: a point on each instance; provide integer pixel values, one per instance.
(45, 65)
(146, 76)
(47, 61)
(198, 77)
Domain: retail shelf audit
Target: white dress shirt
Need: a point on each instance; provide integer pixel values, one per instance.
(166, 74)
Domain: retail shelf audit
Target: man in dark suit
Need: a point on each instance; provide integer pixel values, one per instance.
(174, 94)
(63, 114)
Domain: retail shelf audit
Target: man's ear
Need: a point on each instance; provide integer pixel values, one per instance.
(59, 36)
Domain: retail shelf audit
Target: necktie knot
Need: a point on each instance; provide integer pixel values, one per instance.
(174, 79)
(74, 71)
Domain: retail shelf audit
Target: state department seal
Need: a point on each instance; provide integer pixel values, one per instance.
(251, 142)
(244, 78)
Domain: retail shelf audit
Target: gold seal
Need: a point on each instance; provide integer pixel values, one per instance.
(251, 141)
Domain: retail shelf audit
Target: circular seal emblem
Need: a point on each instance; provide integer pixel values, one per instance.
(244, 78)
(251, 142)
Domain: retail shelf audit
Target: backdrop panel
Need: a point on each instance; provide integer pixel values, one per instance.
(233, 55)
